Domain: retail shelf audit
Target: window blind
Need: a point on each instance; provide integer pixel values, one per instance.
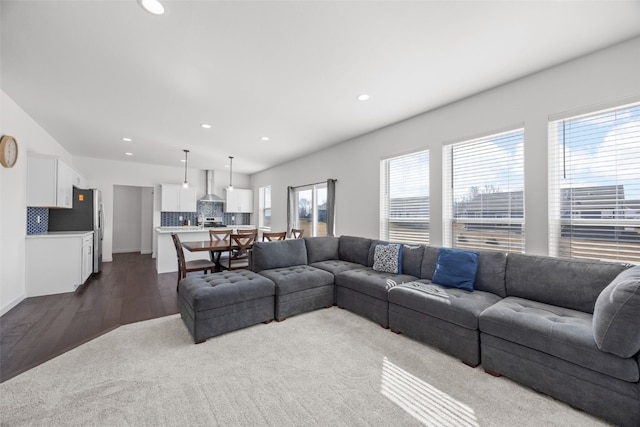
(484, 193)
(594, 185)
(404, 198)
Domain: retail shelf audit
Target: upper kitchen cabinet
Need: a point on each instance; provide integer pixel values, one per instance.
(49, 182)
(176, 198)
(239, 200)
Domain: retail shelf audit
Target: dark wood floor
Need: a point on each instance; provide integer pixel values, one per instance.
(127, 290)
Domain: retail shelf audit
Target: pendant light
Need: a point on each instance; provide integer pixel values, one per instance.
(230, 188)
(185, 184)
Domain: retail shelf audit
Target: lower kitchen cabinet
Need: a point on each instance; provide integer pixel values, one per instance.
(58, 262)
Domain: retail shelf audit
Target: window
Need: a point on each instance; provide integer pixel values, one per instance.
(594, 185)
(311, 216)
(264, 202)
(404, 198)
(484, 193)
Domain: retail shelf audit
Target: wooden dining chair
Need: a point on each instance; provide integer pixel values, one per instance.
(271, 236)
(185, 267)
(219, 235)
(239, 247)
(253, 231)
(296, 233)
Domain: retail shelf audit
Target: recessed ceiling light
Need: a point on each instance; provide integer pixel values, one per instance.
(183, 160)
(205, 126)
(363, 97)
(129, 154)
(265, 138)
(152, 6)
(124, 138)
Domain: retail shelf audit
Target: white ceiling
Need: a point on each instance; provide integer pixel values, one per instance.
(92, 72)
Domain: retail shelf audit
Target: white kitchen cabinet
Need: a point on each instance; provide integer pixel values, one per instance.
(49, 182)
(239, 200)
(87, 257)
(176, 198)
(58, 262)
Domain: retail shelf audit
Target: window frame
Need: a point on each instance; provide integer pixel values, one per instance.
(313, 232)
(591, 229)
(484, 224)
(262, 207)
(393, 215)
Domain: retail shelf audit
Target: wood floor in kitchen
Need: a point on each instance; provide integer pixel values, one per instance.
(40, 328)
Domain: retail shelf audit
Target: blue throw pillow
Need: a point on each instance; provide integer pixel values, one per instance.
(388, 258)
(456, 268)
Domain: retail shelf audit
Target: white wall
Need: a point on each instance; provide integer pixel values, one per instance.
(13, 183)
(602, 77)
(132, 219)
(127, 216)
(146, 220)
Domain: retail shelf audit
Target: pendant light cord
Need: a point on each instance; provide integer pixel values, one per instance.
(186, 183)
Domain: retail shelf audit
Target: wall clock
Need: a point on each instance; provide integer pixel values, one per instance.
(8, 151)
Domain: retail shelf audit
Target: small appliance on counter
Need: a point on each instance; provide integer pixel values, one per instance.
(86, 215)
(213, 221)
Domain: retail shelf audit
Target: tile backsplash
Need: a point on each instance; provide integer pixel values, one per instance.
(206, 209)
(37, 220)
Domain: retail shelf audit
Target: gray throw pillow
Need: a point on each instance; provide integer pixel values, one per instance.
(616, 318)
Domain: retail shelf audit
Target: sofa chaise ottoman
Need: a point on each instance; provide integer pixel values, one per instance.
(217, 303)
(299, 287)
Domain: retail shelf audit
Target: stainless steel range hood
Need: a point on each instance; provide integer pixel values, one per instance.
(210, 197)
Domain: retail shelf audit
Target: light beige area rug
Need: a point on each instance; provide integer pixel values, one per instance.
(324, 368)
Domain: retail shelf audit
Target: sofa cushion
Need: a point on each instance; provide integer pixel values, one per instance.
(335, 266)
(297, 278)
(281, 253)
(354, 249)
(321, 248)
(456, 268)
(370, 282)
(616, 317)
(388, 258)
(453, 305)
(223, 289)
(429, 261)
(412, 259)
(561, 332)
(568, 283)
(492, 266)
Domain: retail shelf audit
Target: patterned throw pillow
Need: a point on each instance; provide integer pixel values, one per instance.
(388, 258)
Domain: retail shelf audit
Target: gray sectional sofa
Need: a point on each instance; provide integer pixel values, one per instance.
(567, 328)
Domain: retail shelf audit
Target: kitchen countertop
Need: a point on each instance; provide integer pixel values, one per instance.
(184, 229)
(59, 234)
(196, 228)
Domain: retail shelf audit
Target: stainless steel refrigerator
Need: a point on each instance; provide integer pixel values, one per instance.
(86, 215)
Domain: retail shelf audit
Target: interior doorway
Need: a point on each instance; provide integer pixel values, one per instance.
(132, 219)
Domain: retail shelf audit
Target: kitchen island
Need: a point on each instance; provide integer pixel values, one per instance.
(166, 258)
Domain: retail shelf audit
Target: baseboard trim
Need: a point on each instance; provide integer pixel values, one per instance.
(12, 304)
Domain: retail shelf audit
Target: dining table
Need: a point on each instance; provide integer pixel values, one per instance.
(214, 247)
